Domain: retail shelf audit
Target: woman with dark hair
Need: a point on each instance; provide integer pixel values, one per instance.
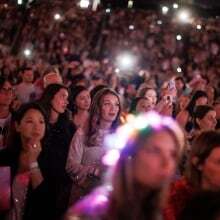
(142, 159)
(204, 118)
(149, 93)
(60, 132)
(185, 117)
(140, 105)
(202, 173)
(96, 89)
(84, 158)
(79, 104)
(180, 85)
(6, 98)
(24, 156)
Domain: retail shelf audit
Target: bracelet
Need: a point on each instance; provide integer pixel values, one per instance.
(34, 165)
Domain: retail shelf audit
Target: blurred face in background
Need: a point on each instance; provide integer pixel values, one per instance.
(143, 105)
(28, 76)
(151, 95)
(183, 102)
(52, 78)
(208, 121)
(83, 100)
(217, 110)
(202, 101)
(155, 162)
(210, 93)
(6, 94)
(210, 170)
(179, 85)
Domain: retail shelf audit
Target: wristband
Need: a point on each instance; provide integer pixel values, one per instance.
(34, 165)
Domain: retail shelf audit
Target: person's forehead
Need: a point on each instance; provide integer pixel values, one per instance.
(52, 76)
(110, 96)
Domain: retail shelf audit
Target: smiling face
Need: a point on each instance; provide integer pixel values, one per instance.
(32, 126)
(109, 107)
(60, 101)
(83, 100)
(155, 162)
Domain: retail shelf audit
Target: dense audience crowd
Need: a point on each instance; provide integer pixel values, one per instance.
(83, 138)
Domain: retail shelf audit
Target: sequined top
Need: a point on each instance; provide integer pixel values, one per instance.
(81, 155)
(19, 193)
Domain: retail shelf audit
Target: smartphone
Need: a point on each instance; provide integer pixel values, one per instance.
(171, 84)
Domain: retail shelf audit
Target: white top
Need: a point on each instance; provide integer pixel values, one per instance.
(24, 91)
(81, 155)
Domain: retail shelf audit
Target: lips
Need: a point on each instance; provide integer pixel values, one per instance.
(36, 134)
(112, 114)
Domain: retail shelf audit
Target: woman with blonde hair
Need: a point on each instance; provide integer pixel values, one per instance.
(143, 155)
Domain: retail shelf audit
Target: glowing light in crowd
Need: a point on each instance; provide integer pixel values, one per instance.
(179, 70)
(27, 52)
(95, 4)
(159, 22)
(20, 2)
(84, 3)
(184, 16)
(198, 27)
(130, 4)
(108, 10)
(99, 199)
(165, 10)
(178, 37)
(126, 61)
(5, 5)
(117, 70)
(111, 158)
(175, 5)
(126, 133)
(131, 27)
(57, 16)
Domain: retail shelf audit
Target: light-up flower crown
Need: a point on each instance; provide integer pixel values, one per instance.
(127, 133)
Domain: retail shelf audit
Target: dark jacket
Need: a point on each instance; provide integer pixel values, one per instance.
(50, 199)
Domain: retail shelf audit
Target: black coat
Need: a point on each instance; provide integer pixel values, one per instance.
(53, 159)
(50, 199)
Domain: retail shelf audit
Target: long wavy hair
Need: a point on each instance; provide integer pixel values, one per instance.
(95, 112)
(129, 199)
(47, 97)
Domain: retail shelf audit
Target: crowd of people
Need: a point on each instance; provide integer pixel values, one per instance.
(83, 138)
